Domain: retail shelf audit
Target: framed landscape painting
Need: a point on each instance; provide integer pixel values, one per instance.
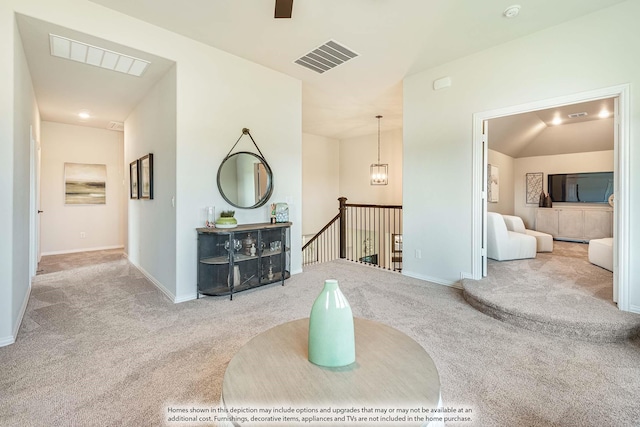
(85, 184)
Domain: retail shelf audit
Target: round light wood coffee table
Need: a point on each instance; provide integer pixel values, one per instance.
(272, 371)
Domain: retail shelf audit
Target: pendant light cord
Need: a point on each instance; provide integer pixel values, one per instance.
(378, 117)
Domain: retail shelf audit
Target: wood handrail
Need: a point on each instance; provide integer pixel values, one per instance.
(357, 205)
(335, 218)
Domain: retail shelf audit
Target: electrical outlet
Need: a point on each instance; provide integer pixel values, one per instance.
(418, 253)
(83, 234)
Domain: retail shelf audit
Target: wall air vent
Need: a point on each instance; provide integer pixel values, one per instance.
(119, 126)
(576, 115)
(326, 57)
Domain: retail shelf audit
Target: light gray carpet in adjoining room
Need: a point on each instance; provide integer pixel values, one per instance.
(101, 346)
(560, 293)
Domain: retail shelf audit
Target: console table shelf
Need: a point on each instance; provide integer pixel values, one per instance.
(232, 260)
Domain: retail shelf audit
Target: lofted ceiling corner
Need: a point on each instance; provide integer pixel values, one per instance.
(393, 40)
(573, 128)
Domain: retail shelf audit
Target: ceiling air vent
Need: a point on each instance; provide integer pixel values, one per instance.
(119, 126)
(63, 47)
(326, 57)
(575, 115)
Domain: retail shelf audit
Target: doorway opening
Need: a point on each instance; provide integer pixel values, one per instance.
(621, 215)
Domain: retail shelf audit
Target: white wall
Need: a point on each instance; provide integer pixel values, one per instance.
(320, 181)
(438, 127)
(504, 163)
(18, 113)
(356, 157)
(217, 94)
(598, 161)
(151, 128)
(62, 224)
(7, 114)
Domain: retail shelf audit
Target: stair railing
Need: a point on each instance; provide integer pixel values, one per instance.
(365, 233)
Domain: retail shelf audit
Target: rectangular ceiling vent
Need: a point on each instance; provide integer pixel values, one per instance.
(63, 47)
(119, 126)
(575, 115)
(326, 57)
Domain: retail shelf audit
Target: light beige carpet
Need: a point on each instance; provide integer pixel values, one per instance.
(101, 346)
(560, 293)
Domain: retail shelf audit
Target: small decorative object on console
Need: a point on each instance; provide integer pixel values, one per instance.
(273, 214)
(226, 220)
(211, 217)
(282, 212)
(248, 244)
(331, 332)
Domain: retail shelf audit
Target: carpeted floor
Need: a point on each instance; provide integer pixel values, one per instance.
(560, 293)
(61, 262)
(101, 346)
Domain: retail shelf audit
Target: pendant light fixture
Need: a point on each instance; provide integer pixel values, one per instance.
(378, 170)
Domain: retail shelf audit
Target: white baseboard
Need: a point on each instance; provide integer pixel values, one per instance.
(157, 284)
(634, 308)
(12, 338)
(175, 299)
(435, 280)
(74, 251)
(185, 298)
(4, 341)
(464, 275)
(23, 310)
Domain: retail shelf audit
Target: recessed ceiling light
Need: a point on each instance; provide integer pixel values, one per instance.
(84, 115)
(63, 47)
(512, 11)
(556, 120)
(603, 114)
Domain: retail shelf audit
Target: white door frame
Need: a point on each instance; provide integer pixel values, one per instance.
(621, 217)
(34, 203)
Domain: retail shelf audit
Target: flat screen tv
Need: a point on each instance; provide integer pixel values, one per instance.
(591, 187)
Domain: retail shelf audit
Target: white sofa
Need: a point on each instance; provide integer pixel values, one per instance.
(503, 245)
(544, 241)
(601, 252)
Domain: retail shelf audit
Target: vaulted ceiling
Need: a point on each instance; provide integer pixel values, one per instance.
(567, 129)
(393, 39)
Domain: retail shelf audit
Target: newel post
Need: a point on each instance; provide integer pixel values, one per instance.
(343, 227)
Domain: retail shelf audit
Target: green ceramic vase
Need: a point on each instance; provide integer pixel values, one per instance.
(331, 335)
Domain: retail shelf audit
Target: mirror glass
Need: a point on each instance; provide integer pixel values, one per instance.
(245, 180)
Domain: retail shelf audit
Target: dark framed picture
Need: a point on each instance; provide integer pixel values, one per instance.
(134, 188)
(146, 176)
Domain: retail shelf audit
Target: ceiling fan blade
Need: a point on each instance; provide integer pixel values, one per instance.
(283, 9)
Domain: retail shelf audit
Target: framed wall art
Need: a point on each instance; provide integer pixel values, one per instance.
(134, 188)
(493, 184)
(533, 187)
(145, 166)
(85, 184)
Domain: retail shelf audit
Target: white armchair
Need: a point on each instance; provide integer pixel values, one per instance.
(503, 245)
(544, 241)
